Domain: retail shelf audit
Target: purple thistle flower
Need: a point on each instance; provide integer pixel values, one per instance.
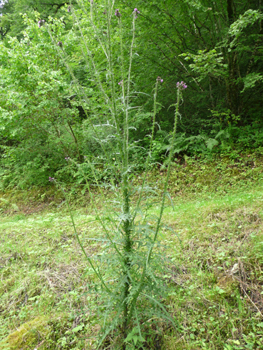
(117, 13)
(41, 23)
(181, 85)
(60, 44)
(136, 12)
(159, 79)
(51, 179)
(67, 158)
(120, 82)
(69, 9)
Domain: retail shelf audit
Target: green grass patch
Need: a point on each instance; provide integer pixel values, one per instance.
(212, 244)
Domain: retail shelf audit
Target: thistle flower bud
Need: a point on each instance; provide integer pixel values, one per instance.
(136, 12)
(181, 85)
(117, 13)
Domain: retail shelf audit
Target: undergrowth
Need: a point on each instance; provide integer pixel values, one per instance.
(189, 176)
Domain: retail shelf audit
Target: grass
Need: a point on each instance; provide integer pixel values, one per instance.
(219, 287)
(214, 252)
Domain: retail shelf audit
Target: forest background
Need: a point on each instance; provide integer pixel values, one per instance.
(214, 46)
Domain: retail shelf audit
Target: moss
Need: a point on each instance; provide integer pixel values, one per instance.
(228, 284)
(27, 336)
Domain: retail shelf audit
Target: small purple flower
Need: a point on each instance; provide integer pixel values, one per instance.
(181, 85)
(159, 79)
(67, 158)
(117, 13)
(120, 82)
(136, 12)
(41, 22)
(60, 44)
(51, 179)
(69, 9)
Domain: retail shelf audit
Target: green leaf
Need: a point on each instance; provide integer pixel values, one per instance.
(78, 328)
(210, 143)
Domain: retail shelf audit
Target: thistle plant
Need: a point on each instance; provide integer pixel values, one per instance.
(129, 284)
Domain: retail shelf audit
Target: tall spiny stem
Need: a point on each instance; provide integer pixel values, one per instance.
(125, 186)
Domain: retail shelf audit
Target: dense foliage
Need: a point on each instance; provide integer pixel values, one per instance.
(216, 47)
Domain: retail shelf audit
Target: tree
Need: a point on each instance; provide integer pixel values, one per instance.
(35, 112)
(193, 41)
(11, 21)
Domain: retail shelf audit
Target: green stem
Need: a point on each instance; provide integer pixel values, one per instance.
(113, 91)
(168, 170)
(141, 283)
(126, 192)
(150, 150)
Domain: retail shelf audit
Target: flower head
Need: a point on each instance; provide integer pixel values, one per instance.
(159, 79)
(69, 9)
(181, 85)
(41, 22)
(117, 13)
(120, 82)
(67, 158)
(60, 44)
(136, 12)
(51, 179)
